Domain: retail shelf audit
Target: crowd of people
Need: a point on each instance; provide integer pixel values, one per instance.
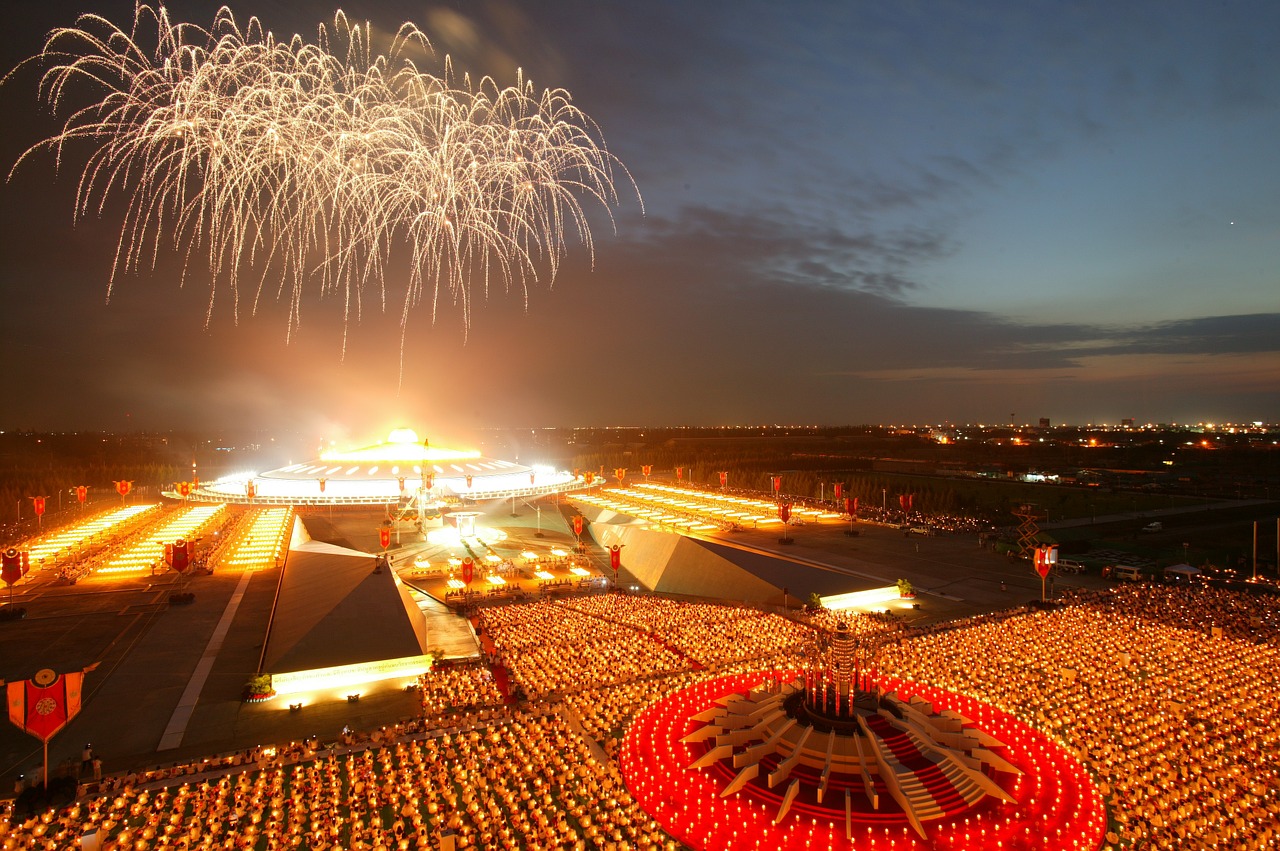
(449, 687)
(1168, 696)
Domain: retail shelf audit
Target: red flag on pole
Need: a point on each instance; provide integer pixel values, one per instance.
(468, 480)
(11, 571)
(181, 555)
(250, 490)
(724, 479)
(784, 511)
(532, 477)
(384, 536)
(577, 524)
(839, 490)
(620, 473)
(777, 484)
(646, 469)
(902, 501)
(82, 493)
(45, 703)
(123, 487)
(679, 474)
(468, 570)
(848, 506)
(26, 562)
(323, 482)
(911, 501)
(615, 557)
(184, 489)
(428, 480)
(401, 481)
(39, 503)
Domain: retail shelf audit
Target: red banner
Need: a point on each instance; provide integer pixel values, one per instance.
(184, 489)
(45, 703)
(26, 562)
(123, 487)
(724, 479)
(615, 557)
(647, 469)
(384, 536)
(532, 477)
(468, 480)
(679, 474)
(850, 506)
(577, 525)
(11, 571)
(323, 482)
(181, 555)
(620, 473)
(589, 477)
(1045, 559)
(839, 490)
(401, 481)
(902, 501)
(911, 501)
(428, 480)
(250, 490)
(39, 503)
(82, 493)
(784, 511)
(468, 570)
(777, 484)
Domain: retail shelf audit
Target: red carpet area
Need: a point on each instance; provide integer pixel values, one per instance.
(1056, 804)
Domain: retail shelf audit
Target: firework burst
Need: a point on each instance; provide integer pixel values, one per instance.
(292, 164)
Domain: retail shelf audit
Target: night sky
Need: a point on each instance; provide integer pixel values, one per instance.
(854, 212)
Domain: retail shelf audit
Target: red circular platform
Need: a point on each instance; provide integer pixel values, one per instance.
(1057, 806)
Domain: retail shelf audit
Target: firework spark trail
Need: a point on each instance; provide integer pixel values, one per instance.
(310, 163)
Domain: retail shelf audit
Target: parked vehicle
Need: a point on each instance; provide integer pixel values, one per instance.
(1125, 573)
(1066, 565)
(1155, 526)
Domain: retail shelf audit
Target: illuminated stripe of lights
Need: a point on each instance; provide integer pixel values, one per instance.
(142, 555)
(263, 541)
(78, 533)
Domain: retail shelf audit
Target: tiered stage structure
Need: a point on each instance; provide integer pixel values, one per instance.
(836, 755)
(401, 471)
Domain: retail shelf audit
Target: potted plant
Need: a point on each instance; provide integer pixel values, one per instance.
(258, 689)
